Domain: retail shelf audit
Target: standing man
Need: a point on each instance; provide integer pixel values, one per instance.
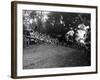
(70, 35)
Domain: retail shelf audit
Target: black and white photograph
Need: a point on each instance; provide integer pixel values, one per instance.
(56, 39)
(53, 39)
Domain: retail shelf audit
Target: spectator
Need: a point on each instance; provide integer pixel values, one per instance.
(69, 35)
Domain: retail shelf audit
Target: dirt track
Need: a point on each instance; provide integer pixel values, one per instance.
(50, 56)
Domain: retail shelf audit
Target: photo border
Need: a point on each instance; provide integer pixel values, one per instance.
(14, 37)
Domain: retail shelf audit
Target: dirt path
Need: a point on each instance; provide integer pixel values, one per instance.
(50, 56)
